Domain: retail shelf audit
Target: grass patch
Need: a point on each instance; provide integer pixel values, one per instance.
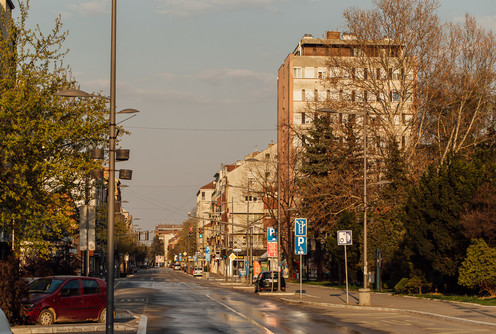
(486, 301)
(464, 299)
(327, 284)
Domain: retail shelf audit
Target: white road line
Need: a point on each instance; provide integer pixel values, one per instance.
(268, 331)
(142, 325)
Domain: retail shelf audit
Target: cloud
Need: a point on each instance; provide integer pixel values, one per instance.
(184, 8)
(226, 75)
(92, 7)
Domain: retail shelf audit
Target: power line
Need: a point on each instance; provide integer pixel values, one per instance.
(198, 129)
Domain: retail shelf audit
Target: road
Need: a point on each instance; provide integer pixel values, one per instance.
(175, 302)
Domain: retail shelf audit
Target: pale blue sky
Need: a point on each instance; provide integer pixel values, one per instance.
(195, 65)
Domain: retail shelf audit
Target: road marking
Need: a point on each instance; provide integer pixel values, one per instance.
(142, 324)
(268, 331)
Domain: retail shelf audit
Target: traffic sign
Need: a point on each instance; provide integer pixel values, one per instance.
(300, 227)
(272, 249)
(271, 234)
(207, 257)
(344, 238)
(232, 256)
(301, 245)
(207, 250)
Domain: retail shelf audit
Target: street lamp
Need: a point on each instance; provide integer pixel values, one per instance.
(364, 293)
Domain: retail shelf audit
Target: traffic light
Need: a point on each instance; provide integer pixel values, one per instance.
(200, 232)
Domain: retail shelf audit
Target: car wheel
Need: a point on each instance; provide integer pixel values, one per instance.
(103, 316)
(46, 318)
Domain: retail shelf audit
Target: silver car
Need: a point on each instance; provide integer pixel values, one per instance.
(4, 324)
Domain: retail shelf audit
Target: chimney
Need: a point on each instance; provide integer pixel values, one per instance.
(333, 35)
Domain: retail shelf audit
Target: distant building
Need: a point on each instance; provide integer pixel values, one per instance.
(240, 207)
(166, 233)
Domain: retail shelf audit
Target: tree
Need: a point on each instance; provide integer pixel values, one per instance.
(391, 46)
(386, 225)
(458, 97)
(328, 180)
(158, 248)
(478, 270)
(434, 233)
(43, 139)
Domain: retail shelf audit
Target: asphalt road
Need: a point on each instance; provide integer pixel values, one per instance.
(175, 302)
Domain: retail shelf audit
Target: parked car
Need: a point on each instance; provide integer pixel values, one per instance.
(67, 299)
(267, 281)
(197, 271)
(177, 266)
(4, 324)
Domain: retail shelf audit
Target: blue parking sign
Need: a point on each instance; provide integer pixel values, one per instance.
(301, 245)
(271, 234)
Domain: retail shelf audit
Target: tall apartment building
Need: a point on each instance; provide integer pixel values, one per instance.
(350, 75)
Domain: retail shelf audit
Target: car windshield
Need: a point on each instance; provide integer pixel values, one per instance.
(270, 274)
(44, 285)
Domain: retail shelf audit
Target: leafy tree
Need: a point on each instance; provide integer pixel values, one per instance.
(386, 226)
(478, 270)
(157, 247)
(434, 233)
(335, 254)
(43, 139)
(328, 181)
(479, 216)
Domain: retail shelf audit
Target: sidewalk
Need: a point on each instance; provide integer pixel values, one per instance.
(467, 313)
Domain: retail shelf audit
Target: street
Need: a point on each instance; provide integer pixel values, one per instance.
(178, 303)
(174, 302)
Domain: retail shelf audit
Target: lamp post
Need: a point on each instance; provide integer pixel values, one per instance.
(364, 293)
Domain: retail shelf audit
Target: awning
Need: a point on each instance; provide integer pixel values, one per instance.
(263, 257)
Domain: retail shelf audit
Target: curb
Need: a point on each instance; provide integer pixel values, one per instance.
(76, 327)
(395, 310)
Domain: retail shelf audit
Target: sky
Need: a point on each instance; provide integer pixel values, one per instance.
(203, 74)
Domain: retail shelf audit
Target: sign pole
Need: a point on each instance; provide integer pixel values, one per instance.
(346, 273)
(345, 239)
(301, 276)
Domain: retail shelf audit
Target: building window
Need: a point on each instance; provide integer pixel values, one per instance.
(310, 72)
(267, 156)
(297, 72)
(203, 195)
(297, 95)
(303, 118)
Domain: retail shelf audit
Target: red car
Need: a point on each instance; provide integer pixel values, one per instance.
(67, 299)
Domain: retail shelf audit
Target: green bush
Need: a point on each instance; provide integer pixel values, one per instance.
(411, 285)
(478, 271)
